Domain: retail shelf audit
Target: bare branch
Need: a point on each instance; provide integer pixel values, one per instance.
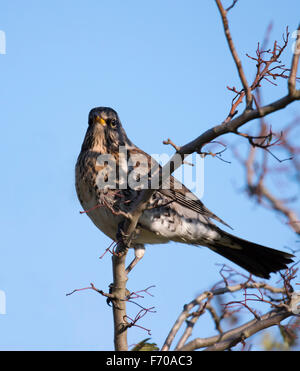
(231, 6)
(231, 338)
(169, 141)
(190, 325)
(92, 287)
(208, 295)
(234, 53)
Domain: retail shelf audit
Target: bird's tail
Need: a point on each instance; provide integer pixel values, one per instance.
(256, 259)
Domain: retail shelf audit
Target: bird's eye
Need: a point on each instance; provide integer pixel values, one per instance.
(113, 124)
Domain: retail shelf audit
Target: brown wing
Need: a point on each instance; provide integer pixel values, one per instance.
(186, 198)
(179, 193)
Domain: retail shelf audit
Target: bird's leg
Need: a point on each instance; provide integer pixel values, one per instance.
(121, 237)
(139, 251)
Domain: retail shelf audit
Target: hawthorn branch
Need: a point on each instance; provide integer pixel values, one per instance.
(229, 126)
(211, 134)
(226, 127)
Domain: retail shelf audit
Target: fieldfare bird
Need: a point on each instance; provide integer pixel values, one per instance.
(109, 177)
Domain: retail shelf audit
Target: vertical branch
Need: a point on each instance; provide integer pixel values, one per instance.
(119, 304)
(295, 62)
(234, 53)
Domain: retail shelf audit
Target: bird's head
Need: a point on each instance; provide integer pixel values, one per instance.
(105, 124)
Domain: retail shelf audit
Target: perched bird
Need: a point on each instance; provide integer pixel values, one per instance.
(109, 172)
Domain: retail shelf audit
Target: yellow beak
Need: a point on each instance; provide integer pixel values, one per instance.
(100, 120)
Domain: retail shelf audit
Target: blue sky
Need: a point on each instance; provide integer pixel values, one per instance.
(164, 66)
